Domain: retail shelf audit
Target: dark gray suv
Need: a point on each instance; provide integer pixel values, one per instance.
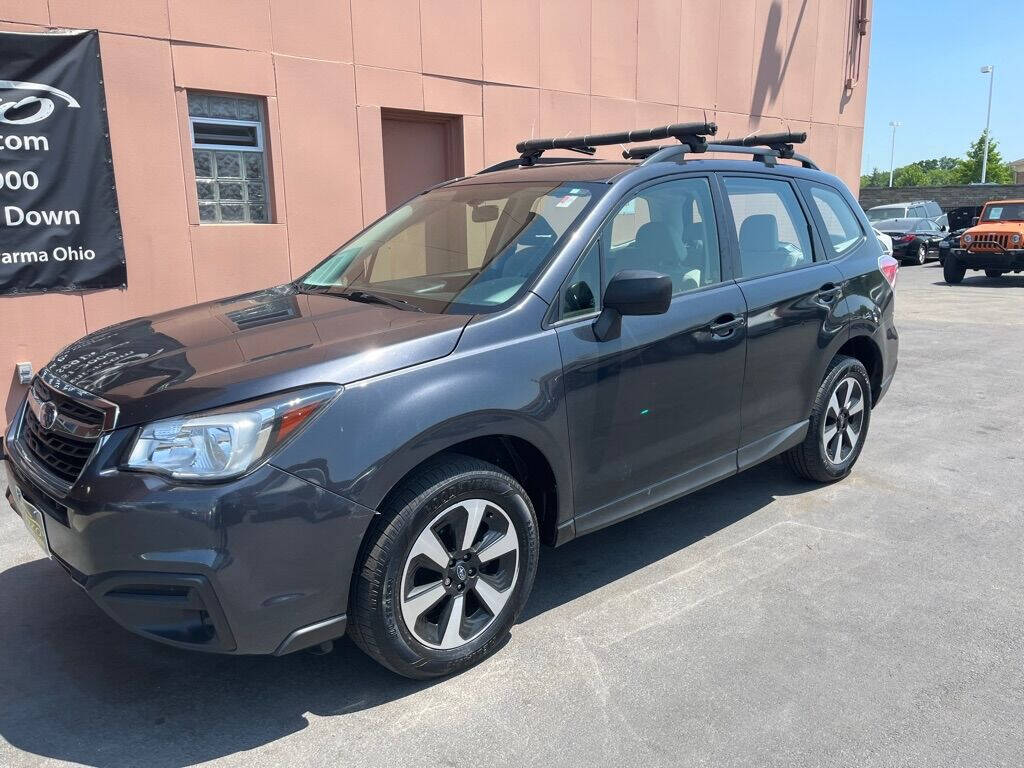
(520, 357)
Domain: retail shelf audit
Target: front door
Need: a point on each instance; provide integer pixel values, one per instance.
(654, 412)
(792, 293)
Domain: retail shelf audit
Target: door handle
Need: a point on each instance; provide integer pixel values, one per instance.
(726, 324)
(829, 292)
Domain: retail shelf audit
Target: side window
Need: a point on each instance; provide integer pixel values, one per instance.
(582, 290)
(770, 226)
(841, 224)
(934, 211)
(917, 212)
(676, 234)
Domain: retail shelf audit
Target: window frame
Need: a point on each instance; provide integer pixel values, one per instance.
(727, 272)
(806, 187)
(261, 148)
(818, 250)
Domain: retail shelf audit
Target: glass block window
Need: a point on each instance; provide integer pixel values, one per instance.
(230, 159)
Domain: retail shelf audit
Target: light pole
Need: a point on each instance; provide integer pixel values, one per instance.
(892, 148)
(990, 70)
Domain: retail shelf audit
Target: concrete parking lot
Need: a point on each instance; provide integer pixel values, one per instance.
(763, 621)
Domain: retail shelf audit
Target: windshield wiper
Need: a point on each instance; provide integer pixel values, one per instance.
(376, 298)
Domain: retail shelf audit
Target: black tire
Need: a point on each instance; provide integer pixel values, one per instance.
(809, 459)
(375, 621)
(953, 271)
(993, 273)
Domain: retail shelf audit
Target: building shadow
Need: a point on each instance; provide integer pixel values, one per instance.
(80, 688)
(774, 61)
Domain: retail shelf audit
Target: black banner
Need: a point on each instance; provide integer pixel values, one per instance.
(59, 224)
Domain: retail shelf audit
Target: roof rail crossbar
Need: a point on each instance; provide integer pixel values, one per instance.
(781, 142)
(691, 134)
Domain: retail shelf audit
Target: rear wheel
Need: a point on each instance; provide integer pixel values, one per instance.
(953, 271)
(838, 425)
(447, 567)
(921, 255)
(993, 273)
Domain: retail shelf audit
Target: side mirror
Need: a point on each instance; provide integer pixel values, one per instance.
(632, 292)
(975, 220)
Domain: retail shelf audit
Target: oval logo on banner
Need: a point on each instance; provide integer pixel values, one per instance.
(25, 110)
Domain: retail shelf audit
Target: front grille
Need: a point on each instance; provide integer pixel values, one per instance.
(63, 455)
(76, 410)
(990, 242)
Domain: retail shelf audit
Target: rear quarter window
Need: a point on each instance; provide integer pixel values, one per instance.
(839, 225)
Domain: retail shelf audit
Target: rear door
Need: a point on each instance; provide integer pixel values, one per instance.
(792, 293)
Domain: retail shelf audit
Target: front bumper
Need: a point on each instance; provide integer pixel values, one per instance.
(1007, 260)
(258, 565)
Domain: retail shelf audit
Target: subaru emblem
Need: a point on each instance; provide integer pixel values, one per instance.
(49, 415)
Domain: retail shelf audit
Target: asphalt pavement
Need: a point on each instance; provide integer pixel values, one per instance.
(764, 621)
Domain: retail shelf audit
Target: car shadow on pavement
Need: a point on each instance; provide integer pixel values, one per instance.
(981, 280)
(79, 688)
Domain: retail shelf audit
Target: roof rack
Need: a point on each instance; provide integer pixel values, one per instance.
(692, 135)
(765, 148)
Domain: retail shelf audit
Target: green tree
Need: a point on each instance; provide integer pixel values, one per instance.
(910, 176)
(968, 170)
(876, 178)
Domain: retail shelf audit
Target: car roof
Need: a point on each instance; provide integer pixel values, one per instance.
(1001, 202)
(900, 205)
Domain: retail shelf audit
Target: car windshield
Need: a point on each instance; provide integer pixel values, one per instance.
(890, 212)
(1004, 212)
(459, 249)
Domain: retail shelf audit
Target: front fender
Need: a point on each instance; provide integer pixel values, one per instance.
(499, 381)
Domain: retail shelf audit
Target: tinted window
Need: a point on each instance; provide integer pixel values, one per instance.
(770, 226)
(581, 291)
(668, 228)
(841, 223)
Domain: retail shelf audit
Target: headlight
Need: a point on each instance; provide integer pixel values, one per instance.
(1015, 239)
(225, 443)
(968, 239)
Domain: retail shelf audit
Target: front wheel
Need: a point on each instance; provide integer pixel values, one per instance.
(446, 569)
(838, 424)
(953, 271)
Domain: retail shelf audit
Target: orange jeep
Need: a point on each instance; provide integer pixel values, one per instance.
(995, 243)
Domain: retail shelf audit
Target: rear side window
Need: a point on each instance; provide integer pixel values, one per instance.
(841, 226)
(770, 226)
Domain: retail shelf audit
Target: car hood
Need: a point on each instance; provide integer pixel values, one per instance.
(997, 227)
(247, 346)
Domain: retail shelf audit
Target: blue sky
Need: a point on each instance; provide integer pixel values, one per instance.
(923, 72)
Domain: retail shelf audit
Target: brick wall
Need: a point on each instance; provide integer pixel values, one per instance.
(948, 198)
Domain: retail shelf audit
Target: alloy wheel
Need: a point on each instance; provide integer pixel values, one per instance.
(922, 254)
(459, 574)
(844, 420)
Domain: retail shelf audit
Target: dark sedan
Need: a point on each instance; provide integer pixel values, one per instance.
(914, 241)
